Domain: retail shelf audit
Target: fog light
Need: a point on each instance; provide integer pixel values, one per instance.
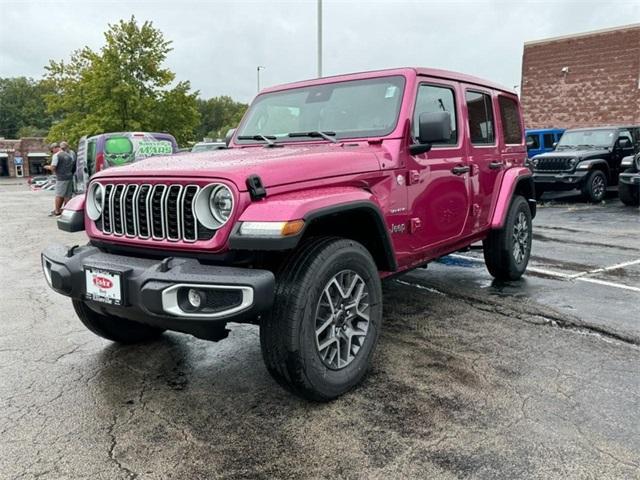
(195, 298)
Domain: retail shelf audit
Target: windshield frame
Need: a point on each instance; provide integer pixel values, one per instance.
(575, 146)
(403, 82)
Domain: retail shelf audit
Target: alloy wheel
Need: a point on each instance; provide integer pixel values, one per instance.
(598, 186)
(520, 238)
(342, 319)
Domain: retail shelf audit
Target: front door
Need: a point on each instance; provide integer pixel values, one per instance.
(438, 181)
(484, 155)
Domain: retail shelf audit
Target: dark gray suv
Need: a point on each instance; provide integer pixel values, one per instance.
(587, 159)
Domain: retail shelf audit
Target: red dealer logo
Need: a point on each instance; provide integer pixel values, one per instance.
(102, 282)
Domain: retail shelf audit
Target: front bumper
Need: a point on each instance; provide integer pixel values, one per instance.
(149, 288)
(560, 181)
(630, 178)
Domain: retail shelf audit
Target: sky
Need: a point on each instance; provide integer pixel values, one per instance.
(217, 45)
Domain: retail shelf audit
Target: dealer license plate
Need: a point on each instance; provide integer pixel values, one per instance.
(103, 285)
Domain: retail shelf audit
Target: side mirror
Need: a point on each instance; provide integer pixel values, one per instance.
(530, 144)
(230, 133)
(624, 142)
(433, 127)
(555, 144)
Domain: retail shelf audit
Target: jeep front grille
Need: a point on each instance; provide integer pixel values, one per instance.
(553, 164)
(156, 212)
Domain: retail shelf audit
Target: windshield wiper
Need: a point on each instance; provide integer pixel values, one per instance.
(326, 135)
(587, 145)
(265, 138)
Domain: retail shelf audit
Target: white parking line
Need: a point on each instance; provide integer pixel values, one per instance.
(608, 284)
(580, 277)
(606, 269)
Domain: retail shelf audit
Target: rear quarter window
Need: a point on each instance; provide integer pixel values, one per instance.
(510, 117)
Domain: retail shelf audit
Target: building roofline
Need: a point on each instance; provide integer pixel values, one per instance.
(631, 26)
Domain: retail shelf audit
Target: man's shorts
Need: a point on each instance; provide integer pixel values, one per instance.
(64, 188)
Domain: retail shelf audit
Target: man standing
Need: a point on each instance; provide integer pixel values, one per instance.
(62, 167)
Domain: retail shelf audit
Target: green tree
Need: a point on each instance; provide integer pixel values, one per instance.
(218, 115)
(122, 87)
(22, 108)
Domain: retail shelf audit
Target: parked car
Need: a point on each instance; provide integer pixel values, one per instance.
(116, 149)
(542, 140)
(330, 186)
(587, 159)
(629, 184)
(208, 146)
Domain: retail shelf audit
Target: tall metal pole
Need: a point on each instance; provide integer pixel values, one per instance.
(319, 38)
(258, 68)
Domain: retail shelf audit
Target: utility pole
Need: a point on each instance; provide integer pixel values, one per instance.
(319, 38)
(258, 68)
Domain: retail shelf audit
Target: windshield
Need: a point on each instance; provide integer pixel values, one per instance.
(357, 108)
(586, 138)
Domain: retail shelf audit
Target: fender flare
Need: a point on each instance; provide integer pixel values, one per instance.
(592, 162)
(312, 207)
(515, 180)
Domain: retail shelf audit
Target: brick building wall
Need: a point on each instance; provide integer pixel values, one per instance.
(601, 86)
(33, 150)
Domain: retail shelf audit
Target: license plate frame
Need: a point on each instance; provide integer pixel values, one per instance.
(104, 285)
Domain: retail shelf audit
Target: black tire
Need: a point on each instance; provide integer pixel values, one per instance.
(499, 255)
(595, 186)
(629, 194)
(115, 329)
(288, 334)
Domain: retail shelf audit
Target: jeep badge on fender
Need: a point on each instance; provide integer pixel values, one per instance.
(295, 225)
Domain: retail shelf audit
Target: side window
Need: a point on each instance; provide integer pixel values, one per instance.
(480, 118)
(433, 98)
(511, 128)
(549, 140)
(91, 157)
(625, 134)
(534, 140)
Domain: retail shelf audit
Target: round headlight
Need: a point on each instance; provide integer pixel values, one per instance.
(213, 205)
(535, 162)
(221, 203)
(95, 201)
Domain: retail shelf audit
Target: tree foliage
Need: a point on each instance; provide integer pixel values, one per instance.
(23, 111)
(122, 87)
(219, 114)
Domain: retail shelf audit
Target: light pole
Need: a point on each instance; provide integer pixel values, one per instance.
(258, 68)
(319, 38)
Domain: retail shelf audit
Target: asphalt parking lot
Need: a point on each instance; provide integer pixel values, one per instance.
(472, 379)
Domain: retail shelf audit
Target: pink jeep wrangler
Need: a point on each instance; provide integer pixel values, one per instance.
(328, 187)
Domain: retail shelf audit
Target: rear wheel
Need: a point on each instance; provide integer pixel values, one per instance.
(629, 194)
(319, 338)
(507, 251)
(113, 328)
(595, 186)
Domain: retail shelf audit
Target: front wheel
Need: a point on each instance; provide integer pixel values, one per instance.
(321, 334)
(595, 186)
(507, 251)
(115, 329)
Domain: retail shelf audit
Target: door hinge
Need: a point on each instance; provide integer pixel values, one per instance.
(414, 177)
(415, 225)
(475, 210)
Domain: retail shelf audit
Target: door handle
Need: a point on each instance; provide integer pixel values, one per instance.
(460, 169)
(496, 165)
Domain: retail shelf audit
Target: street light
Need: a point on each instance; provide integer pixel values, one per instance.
(258, 68)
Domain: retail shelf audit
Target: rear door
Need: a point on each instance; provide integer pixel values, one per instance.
(438, 184)
(485, 158)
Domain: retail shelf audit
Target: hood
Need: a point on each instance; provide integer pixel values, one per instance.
(275, 166)
(581, 154)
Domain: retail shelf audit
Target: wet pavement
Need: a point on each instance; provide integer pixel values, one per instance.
(471, 379)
